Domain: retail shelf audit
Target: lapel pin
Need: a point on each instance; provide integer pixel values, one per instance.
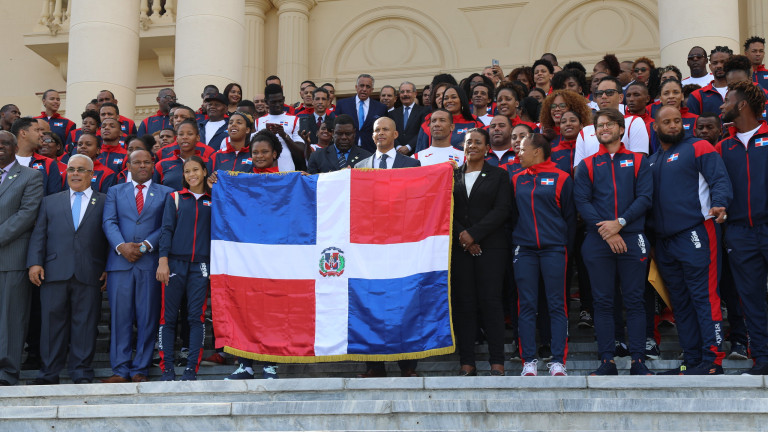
(93, 200)
(151, 194)
(483, 174)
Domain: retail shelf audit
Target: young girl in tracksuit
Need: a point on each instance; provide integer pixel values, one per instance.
(544, 226)
(185, 245)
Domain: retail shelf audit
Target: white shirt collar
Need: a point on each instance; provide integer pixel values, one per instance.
(148, 183)
(357, 101)
(390, 154)
(86, 193)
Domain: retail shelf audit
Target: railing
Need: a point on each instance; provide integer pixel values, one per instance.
(55, 14)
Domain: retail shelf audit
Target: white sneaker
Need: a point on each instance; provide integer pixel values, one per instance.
(557, 369)
(530, 368)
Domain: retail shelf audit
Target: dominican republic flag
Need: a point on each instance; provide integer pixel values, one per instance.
(673, 157)
(348, 265)
(760, 142)
(548, 181)
(626, 163)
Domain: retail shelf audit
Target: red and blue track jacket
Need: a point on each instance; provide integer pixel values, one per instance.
(460, 128)
(59, 125)
(562, 155)
(186, 231)
(154, 123)
(688, 180)
(705, 99)
(113, 157)
(543, 212)
(689, 124)
(49, 168)
(231, 160)
(747, 166)
(167, 151)
(171, 170)
(608, 188)
(760, 76)
(512, 166)
(494, 160)
(127, 126)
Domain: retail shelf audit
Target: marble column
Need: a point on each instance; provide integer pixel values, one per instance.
(293, 44)
(684, 24)
(209, 46)
(253, 55)
(757, 19)
(103, 53)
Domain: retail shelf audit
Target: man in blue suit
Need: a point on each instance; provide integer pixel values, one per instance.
(364, 111)
(133, 214)
(66, 259)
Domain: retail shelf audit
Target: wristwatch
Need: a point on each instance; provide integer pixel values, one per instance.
(143, 248)
(622, 222)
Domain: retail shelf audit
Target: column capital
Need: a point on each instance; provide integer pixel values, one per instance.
(301, 6)
(257, 7)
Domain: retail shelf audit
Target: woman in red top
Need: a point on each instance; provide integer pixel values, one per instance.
(552, 109)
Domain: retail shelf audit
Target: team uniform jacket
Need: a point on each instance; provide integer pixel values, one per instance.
(230, 159)
(562, 155)
(760, 76)
(494, 160)
(127, 126)
(689, 179)
(186, 231)
(49, 168)
(689, 124)
(167, 150)
(705, 99)
(747, 167)
(103, 177)
(512, 166)
(59, 125)
(608, 188)
(154, 123)
(635, 138)
(460, 128)
(543, 208)
(171, 170)
(113, 157)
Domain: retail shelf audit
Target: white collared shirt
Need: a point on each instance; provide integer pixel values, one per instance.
(390, 158)
(87, 193)
(148, 183)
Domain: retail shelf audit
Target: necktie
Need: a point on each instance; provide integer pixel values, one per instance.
(319, 122)
(383, 163)
(76, 209)
(139, 198)
(342, 160)
(2, 172)
(361, 115)
(406, 113)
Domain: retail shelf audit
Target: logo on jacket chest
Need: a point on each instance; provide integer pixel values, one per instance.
(761, 142)
(547, 182)
(38, 166)
(673, 157)
(626, 163)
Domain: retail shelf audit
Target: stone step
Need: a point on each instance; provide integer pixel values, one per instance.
(479, 403)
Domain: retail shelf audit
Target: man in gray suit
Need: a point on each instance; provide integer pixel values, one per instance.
(67, 256)
(21, 189)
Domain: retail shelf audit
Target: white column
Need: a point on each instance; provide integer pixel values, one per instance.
(103, 53)
(757, 18)
(293, 44)
(684, 24)
(209, 46)
(253, 69)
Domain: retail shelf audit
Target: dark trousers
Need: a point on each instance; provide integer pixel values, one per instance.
(14, 314)
(404, 365)
(604, 266)
(548, 263)
(689, 263)
(187, 279)
(70, 312)
(35, 322)
(748, 254)
(737, 326)
(134, 296)
(478, 283)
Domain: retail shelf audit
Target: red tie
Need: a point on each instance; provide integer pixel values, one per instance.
(140, 198)
(319, 122)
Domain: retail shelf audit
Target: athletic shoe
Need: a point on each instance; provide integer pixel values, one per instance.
(545, 353)
(757, 369)
(651, 349)
(680, 370)
(585, 320)
(215, 359)
(638, 368)
(607, 367)
(181, 357)
(620, 349)
(530, 368)
(515, 350)
(738, 351)
(240, 374)
(667, 318)
(269, 372)
(156, 361)
(168, 375)
(704, 368)
(189, 375)
(556, 369)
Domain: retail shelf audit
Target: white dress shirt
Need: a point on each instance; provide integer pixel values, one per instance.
(87, 193)
(390, 158)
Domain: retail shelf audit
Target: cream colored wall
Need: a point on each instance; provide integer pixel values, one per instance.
(24, 73)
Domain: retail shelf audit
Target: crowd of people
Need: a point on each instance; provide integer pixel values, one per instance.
(556, 175)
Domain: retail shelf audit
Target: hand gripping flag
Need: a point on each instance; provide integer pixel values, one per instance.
(348, 265)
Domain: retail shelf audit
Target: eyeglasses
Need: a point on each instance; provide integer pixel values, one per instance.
(561, 105)
(169, 97)
(641, 70)
(79, 170)
(609, 92)
(607, 125)
(696, 57)
(48, 141)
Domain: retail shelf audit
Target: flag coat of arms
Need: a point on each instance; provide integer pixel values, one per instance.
(348, 265)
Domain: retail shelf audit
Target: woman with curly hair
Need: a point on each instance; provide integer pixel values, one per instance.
(609, 65)
(523, 74)
(554, 106)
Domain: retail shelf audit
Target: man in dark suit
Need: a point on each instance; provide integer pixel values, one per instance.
(384, 134)
(133, 213)
(363, 110)
(408, 119)
(66, 259)
(342, 154)
(310, 123)
(21, 189)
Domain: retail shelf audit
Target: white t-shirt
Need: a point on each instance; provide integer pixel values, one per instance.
(435, 155)
(291, 127)
(23, 160)
(635, 139)
(469, 180)
(486, 119)
(722, 90)
(746, 136)
(210, 129)
(702, 80)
